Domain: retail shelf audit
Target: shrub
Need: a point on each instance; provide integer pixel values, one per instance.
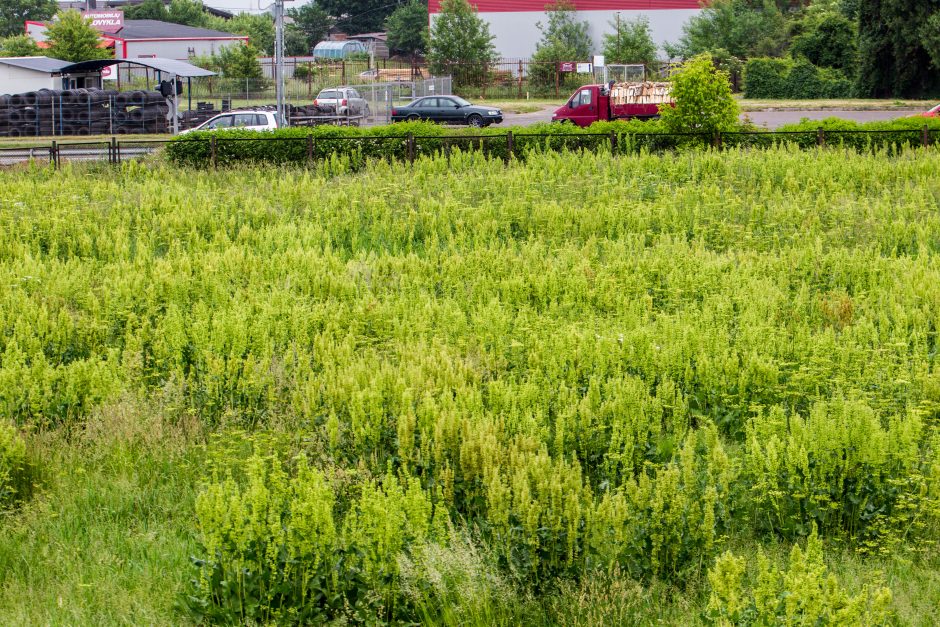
(703, 99)
(839, 469)
(278, 547)
(794, 79)
(802, 595)
(16, 474)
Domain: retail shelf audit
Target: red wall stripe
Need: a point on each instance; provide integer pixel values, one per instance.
(507, 6)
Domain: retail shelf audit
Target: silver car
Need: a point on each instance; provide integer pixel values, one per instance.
(343, 100)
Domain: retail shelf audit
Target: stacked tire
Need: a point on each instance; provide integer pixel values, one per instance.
(81, 112)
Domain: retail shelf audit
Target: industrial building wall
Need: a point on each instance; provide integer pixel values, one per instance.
(516, 33)
(15, 80)
(171, 49)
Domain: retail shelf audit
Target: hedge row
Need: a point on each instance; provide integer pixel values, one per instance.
(356, 146)
(794, 79)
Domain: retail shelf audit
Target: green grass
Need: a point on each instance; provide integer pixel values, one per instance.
(466, 316)
(108, 539)
(843, 104)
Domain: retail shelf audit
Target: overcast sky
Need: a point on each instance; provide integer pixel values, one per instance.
(247, 5)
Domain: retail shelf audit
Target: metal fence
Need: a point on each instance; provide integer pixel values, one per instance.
(507, 145)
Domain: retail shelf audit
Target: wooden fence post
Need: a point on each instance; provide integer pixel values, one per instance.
(613, 142)
(510, 146)
(115, 157)
(54, 155)
(926, 136)
(820, 137)
(310, 149)
(411, 147)
(213, 152)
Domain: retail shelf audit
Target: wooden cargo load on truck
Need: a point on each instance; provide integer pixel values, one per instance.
(638, 100)
(641, 93)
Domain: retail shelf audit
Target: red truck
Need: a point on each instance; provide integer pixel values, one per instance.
(614, 101)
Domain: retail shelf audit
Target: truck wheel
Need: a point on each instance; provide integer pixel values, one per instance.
(475, 121)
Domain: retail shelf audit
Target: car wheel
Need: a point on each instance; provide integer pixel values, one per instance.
(413, 117)
(475, 121)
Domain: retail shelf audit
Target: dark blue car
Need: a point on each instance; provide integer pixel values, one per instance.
(447, 110)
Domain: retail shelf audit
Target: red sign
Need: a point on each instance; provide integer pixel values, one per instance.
(567, 66)
(106, 21)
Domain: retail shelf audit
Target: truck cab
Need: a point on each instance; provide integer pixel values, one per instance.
(586, 106)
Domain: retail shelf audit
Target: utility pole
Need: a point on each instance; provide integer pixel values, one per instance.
(279, 59)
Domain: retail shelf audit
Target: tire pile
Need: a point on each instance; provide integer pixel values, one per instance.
(82, 112)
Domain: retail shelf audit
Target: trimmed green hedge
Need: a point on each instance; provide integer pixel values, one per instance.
(352, 148)
(356, 146)
(794, 79)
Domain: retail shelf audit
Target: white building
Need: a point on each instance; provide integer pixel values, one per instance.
(22, 74)
(514, 23)
(141, 39)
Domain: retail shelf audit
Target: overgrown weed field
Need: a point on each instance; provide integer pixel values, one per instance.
(690, 388)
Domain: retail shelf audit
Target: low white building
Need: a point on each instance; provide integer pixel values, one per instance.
(514, 23)
(141, 39)
(22, 74)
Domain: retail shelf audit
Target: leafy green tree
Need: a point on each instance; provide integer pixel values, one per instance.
(14, 13)
(188, 12)
(704, 103)
(72, 38)
(259, 28)
(147, 10)
(930, 38)
(239, 61)
(744, 28)
(19, 46)
(295, 42)
(630, 42)
(407, 28)
(827, 41)
(893, 55)
(563, 39)
(313, 22)
(358, 16)
(459, 39)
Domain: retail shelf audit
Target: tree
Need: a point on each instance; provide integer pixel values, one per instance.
(188, 12)
(563, 39)
(295, 42)
(407, 28)
(827, 41)
(239, 61)
(19, 46)
(313, 22)
(72, 38)
(930, 37)
(459, 37)
(147, 10)
(631, 42)
(14, 13)
(744, 28)
(258, 27)
(702, 94)
(358, 16)
(894, 60)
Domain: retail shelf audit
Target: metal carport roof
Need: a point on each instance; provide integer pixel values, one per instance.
(172, 67)
(38, 64)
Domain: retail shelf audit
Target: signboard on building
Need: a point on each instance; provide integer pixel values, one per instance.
(106, 21)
